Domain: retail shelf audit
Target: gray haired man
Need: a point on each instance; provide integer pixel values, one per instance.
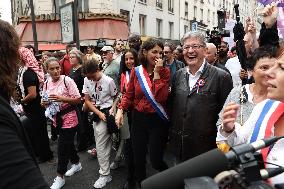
(198, 93)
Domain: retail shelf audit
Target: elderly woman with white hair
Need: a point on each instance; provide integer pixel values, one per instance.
(84, 133)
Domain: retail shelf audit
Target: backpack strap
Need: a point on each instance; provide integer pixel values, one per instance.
(65, 83)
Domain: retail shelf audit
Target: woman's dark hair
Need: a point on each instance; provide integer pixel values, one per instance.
(259, 53)
(234, 48)
(90, 66)
(170, 45)
(148, 45)
(9, 59)
(179, 49)
(280, 49)
(30, 47)
(122, 62)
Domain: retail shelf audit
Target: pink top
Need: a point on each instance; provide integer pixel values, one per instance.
(70, 90)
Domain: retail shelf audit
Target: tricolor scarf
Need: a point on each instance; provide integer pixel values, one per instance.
(146, 86)
(271, 112)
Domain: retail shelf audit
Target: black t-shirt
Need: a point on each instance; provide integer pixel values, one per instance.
(76, 75)
(30, 79)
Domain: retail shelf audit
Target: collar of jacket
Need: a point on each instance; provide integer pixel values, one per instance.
(205, 74)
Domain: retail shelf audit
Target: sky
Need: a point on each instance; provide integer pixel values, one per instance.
(5, 9)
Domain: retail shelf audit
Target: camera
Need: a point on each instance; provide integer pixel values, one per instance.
(215, 36)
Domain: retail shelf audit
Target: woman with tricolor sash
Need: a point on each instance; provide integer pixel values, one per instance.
(247, 96)
(266, 120)
(147, 94)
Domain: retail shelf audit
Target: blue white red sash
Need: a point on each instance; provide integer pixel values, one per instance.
(269, 115)
(260, 123)
(146, 86)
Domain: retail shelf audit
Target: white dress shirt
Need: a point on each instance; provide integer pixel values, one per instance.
(194, 78)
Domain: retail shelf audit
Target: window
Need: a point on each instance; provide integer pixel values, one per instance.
(159, 27)
(195, 12)
(201, 14)
(208, 16)
(21, 8)
(83, 5)
(186, 9)
(171, 5)
(142, 24)
(214, 18)
(143, 1)
(171, 30)
(159, 4)
(125, 13)
(57, 4)
(226, 5)
(185, 29)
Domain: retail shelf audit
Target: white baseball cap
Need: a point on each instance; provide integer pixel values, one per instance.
(107, 48)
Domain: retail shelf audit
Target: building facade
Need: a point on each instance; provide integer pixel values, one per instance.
(155, 18)
(165, 19)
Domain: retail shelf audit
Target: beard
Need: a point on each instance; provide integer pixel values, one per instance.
(222, 54)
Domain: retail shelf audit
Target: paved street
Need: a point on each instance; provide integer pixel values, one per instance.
(85, 178)
(90, 172)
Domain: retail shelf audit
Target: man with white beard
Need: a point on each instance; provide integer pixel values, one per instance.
(110, 67)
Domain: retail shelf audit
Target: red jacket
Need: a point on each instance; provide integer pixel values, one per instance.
(135, 96)
(65, 65)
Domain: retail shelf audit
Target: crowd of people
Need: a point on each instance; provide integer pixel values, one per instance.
(143, 100)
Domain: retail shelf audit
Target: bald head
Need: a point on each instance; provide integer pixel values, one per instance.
(211, 52)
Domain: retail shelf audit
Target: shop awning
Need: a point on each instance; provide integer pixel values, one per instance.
(50, 31)
(51, 47)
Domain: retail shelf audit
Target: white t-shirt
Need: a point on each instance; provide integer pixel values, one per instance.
(101, 92)
(234, 66)
(194, 78)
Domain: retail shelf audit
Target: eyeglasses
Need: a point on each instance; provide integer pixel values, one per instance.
(194, 47)
(105, 52)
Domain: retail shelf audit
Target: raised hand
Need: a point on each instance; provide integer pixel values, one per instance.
(229, 116)
(270, 14)
(158, 65)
